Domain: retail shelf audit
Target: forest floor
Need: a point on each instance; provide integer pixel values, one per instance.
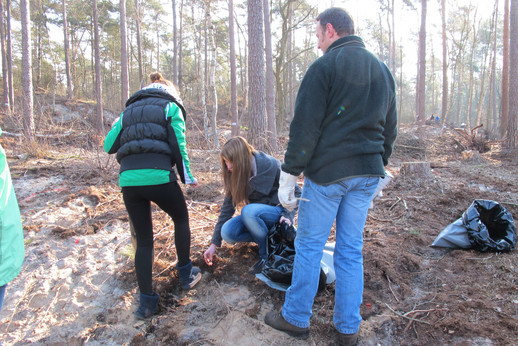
(78, 283)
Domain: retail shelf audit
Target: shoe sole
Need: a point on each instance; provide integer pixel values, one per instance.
(193, 283)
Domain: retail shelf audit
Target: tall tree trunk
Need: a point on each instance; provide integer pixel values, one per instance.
(470, 84)
(212, 87)
(393, 39)
(201, 67)
(70, 92)
(158, 29)
(270, 89)
(124, 55)
(492, 114)
(180, 50)
(9, 55)
(5, 79)
(282, 56)
(512, 127)
(444, 103)
(175, 45)
(257, 106)
(98, 81)
(421, 96)
(28, 123)
(233, 77)
(139, 44)
(505, 73)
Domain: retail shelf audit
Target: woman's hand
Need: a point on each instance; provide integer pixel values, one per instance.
(285, 219)
(209, 253)
(194, 183)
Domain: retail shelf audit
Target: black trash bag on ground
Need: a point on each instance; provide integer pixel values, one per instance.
(281, 254)
(490, 226)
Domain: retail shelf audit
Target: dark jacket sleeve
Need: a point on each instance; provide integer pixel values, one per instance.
(227, 211)
(390, 131)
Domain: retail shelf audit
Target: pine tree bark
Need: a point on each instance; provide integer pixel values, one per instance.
(28, 123)
(9, 55)
(175, 44)
(444, 102)
(270, 88)
(5, 79)
(233, 74)
(124, 55)
(505, 73)
(139, 44)
(70, 91)
(256, 75)
(421, 96)
(99, 121)
(512, 128)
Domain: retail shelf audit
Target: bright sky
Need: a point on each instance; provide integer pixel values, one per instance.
(407, 21)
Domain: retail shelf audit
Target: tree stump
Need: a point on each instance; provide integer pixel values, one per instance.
(415, 169)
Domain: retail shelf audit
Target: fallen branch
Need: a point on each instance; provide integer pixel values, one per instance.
(390, 288)
(191, 207)
(405, 316)
(388, 220)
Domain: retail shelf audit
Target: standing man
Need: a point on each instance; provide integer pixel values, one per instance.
(341, 137)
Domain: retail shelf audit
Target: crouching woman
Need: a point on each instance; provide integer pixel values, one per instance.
(251, 181)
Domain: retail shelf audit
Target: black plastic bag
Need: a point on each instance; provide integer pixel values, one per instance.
(490, 226)
(281, 254)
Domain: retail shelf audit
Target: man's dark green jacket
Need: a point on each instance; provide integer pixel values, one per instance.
(345, 119)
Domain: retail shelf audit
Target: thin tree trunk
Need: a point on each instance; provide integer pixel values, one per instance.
(505, 73)
(180, 50)
(233, 77)
(512, 128)
(470, 84)
(157, 44)
(175, 45)
(70, 92)
(5, 79)
(421, 111)
(139, 44)
(28, 117)
(124, 55)
(444, 103)
(98, 82)
(9, 55)
(270, 90)
(212, 88)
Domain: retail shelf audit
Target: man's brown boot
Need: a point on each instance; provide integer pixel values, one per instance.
(347, 339)
(275, 320)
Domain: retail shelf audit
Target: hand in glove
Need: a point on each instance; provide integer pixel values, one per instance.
(286, 192)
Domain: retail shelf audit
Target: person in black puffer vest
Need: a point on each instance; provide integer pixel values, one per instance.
(149, 140)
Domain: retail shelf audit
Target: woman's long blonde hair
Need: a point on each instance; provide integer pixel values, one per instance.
(156, 77)
(239, 152)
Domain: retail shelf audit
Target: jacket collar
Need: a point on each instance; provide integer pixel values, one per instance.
(351, 40)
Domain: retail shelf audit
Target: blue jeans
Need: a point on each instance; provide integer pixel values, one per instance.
(252, 225)
(348, 202)
(2, 294)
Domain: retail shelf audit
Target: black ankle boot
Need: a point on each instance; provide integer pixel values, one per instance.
(189, 276)
(148, 305)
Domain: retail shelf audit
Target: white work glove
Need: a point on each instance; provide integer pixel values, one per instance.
(286, 191)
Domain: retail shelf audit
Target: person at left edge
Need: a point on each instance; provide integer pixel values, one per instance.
(12, 250)
(149, 139)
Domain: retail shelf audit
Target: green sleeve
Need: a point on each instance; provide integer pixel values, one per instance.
(112, 140)
(173, 112)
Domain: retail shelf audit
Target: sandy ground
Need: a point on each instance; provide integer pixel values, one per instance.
(78, 286)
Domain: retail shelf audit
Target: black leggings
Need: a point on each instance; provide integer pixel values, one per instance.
(169, 197)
